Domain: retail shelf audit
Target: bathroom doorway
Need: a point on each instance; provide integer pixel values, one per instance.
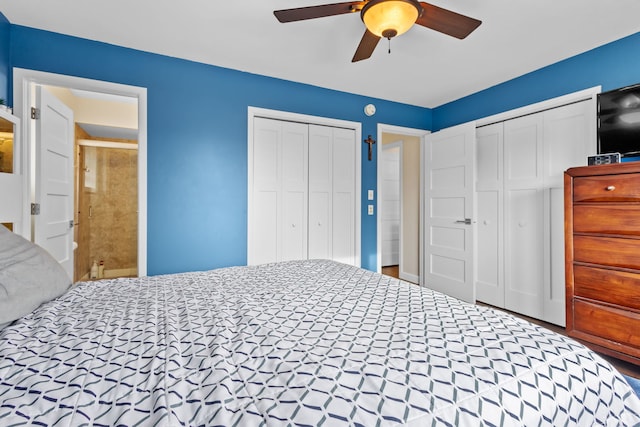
(105, 183)
(106, 131)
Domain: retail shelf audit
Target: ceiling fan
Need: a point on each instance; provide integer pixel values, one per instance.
(387, 18)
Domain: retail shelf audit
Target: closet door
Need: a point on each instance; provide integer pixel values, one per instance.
(332, 192)
(280, 183)
(489, 275)
(569, 137)
(345, 150)
(524, 215)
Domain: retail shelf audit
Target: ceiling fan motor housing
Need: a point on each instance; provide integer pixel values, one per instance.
(390, 18)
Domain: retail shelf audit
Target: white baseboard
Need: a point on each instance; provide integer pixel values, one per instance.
(409, 277)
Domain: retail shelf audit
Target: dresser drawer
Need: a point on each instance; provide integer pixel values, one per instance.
(607, 322)
(621, 187)
(610, 251)
(615, 287)
(607, 218)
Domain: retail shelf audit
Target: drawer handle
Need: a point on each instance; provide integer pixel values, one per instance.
(611, 188)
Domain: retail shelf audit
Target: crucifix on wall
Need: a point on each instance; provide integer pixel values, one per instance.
(370, 142)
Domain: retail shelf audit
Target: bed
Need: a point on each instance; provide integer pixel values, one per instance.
(301, 343)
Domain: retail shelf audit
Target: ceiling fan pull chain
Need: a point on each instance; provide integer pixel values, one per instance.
(389, 38)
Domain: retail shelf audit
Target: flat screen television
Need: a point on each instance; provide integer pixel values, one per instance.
(619, 121)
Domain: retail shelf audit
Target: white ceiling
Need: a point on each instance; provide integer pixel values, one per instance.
(425, 68)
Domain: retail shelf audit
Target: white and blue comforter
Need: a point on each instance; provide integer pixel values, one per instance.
(305, 343)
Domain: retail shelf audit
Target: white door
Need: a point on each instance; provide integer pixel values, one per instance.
(279, 180)
(332, 193)
(489, 245)
(320, 192)
(345, 152)
(524, 215)
(449, 209)
(569, 137)
(390, 206)
(53, 227)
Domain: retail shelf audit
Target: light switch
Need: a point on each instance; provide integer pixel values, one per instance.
(370, 209)
(370, 195)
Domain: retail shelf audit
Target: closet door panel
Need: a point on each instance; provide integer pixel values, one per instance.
(554, 292)
(320, 192)
(295, 146)
(344, 195)
(489, 280)
(320, 225)
(490, 201)
(569, 138)
(523, 141)
(279, 197)
(524, 273)
(266, 226)
(294, 226)
(489, 155)
(266, 191)
(524, 215)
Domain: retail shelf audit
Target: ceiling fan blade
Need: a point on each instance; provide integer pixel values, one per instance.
(446, 21)
(311, 12)
(366, 47)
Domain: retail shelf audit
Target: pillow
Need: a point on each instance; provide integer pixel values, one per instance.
(29, 276)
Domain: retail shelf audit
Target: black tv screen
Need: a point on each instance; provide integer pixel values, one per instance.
(619, 121)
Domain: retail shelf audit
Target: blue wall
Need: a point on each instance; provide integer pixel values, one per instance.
(5, 32)
(197, 140)
(613, 65)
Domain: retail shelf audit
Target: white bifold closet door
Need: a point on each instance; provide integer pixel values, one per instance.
(280, 181)
(520, 207)
(332, 193)
(303, 192)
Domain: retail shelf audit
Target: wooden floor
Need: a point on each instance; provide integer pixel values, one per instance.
(621, 365)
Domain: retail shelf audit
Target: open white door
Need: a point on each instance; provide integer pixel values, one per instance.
(448, 211)
(53, 226)
(390, 204)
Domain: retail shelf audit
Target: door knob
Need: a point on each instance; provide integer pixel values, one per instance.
(464, 221)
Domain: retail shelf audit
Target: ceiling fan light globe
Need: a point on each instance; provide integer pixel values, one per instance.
(389, 18)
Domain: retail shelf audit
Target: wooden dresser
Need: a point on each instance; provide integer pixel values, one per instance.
(602, 257)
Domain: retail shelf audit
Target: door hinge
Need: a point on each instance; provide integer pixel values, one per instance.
(35, 208)
(35, 113)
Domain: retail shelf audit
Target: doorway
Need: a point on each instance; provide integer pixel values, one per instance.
(105, 182)
(390, 203)
(97, 139)
(399, 215)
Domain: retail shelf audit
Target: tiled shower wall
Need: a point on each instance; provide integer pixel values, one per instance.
(108, 210)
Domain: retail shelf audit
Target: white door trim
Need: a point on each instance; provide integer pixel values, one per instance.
(540, 106)
(420, 133)
(253, 112)
(22, 82)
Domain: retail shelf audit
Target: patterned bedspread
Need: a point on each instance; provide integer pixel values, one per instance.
(296, 343)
